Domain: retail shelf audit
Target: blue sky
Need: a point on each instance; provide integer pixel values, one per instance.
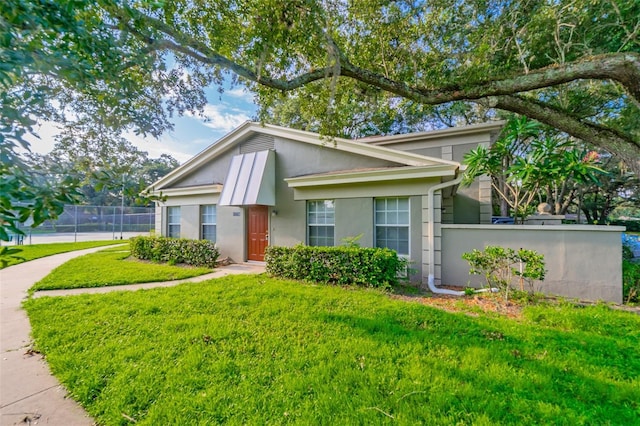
(192, 134)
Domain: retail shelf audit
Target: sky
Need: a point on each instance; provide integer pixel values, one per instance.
(192, 134)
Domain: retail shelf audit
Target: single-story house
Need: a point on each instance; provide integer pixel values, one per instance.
(263, 184)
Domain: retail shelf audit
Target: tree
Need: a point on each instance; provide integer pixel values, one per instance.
(26, 194)
(526, 164)
(104, 164)
(574, 66)
(619, 188)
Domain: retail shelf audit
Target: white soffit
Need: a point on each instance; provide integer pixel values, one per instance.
(251, 179)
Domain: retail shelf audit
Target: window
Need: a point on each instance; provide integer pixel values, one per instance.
(392, 224)
(208, 222)
(321, 221)
(173, 222)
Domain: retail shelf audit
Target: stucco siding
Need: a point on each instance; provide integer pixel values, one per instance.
(213, 172)
(299, 159)
(583, 262)
(230, 230)
(354, 216)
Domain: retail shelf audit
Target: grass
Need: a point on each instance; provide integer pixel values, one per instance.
(111, 267)
(37, 251)
(256, 350)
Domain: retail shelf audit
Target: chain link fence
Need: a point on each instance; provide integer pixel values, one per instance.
(82, 223)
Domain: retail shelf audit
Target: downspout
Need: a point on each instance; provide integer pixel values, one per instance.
(431, 229)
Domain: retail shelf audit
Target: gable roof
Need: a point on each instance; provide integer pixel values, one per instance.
(345, 145)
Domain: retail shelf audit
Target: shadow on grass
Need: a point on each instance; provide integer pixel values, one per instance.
(524, 371)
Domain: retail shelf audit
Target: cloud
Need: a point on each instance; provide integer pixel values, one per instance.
(167, 144)
(219, 118)
(241, 93)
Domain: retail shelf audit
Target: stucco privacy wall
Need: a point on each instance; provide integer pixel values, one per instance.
(583, 262)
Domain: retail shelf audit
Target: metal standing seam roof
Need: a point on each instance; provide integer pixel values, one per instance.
(250, 180)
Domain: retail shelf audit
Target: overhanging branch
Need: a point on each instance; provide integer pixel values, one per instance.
(621, 67)
(603, 137)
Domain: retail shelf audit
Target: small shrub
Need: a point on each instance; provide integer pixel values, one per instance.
(500, 266)
(630, 281)
(175, 250)
(369, 267)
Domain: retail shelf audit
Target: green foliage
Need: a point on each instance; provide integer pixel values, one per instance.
(175, 250)
(258, 350)
(104, 68)
(499, 266)
(352, 241)
(631, 225)
(107, 167)
(10, 255)
(369, 267)
(26, 195)
(37, 251)
(630, 281)
(108, 268)
(525, 165)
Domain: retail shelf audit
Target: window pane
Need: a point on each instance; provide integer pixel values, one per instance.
(174, 231)
(321, 221)
(209, 232)
(173, 222)
(392, 224)
(403, 218)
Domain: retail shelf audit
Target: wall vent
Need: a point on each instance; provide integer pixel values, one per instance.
(257, 143)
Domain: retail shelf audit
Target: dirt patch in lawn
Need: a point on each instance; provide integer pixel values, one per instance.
(471, 305)
(486, 302)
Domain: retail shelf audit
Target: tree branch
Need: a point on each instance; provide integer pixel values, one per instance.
(623, 68)
(606, 138)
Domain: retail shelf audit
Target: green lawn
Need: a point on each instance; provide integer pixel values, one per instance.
(37, 251)
(256, 350)
(112, 267)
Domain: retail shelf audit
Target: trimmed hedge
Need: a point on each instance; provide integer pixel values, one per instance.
(175, 250)
(370, 267)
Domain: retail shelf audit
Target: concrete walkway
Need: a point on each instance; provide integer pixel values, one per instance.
(29, 394)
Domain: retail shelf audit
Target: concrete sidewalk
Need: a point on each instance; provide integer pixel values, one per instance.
(29, 394)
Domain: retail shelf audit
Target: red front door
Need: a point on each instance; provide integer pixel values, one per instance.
(258, 232)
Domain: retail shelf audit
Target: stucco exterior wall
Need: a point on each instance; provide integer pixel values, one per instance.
(356, 217)
(299, 159)
(472, 204)
(230, 233)
(583, 262)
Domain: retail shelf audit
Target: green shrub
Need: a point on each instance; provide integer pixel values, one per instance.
(631, 225)
(175, 250)
(630, 281)
(499, 266)
(369, 267)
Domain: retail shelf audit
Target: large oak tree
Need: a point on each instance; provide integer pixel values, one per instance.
(573, 65)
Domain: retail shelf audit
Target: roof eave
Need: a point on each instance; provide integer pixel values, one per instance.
(435, 134)
(398, 173)
(187, 190)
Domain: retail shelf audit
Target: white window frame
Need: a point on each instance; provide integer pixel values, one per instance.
(387, 213)
(208, 219)
(171, 221)
(324, 223)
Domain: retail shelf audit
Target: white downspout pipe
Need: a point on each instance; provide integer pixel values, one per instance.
(431, 238)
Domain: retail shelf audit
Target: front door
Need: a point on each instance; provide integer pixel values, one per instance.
(258, 232)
